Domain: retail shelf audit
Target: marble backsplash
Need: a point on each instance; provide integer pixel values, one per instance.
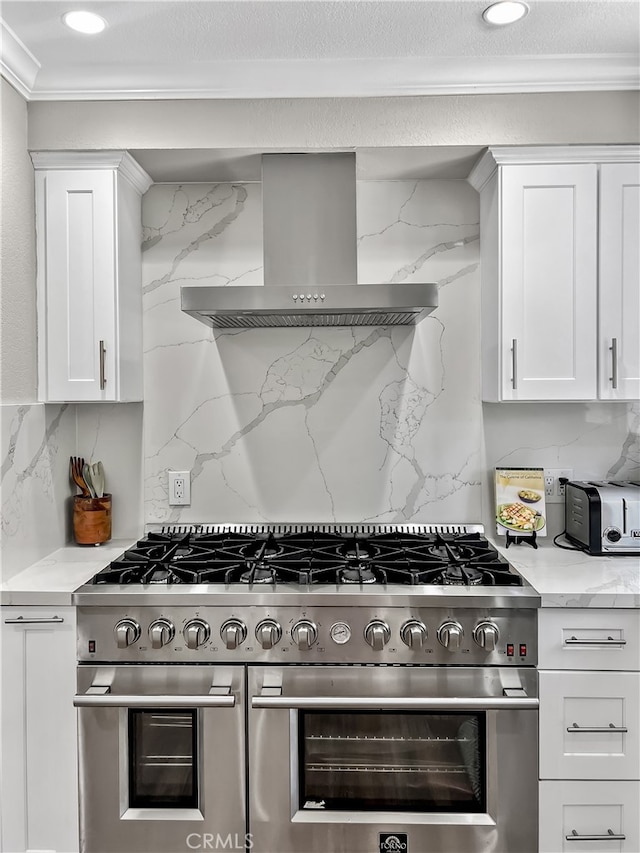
(377, 424)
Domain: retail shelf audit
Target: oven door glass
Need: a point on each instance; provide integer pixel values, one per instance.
(409, 761)
(163, 759)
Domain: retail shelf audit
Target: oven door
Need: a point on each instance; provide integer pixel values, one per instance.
(161, 758)
(403, 759)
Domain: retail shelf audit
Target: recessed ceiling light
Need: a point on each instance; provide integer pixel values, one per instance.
(505, 12)
(84, 22)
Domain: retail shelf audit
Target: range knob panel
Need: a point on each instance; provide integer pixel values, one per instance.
(233, 633)
(413, 634)
(450, 635)
(304, 634)
(196, 633)
(268, 633)
(486, 635)
(377, 634)
(126, 632)
(161, 632)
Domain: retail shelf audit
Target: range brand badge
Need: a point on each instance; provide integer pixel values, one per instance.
(393, 842)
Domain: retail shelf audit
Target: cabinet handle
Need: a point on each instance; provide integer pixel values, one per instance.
(574, 727)
(575, 641)
(514, 363)
(610, 836)
(34, 620)
(614, 362)
(103, 378)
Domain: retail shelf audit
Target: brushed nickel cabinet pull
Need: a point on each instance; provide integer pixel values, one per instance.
(589, 641)
(34, 620)
(574, 727)
(614, 363)
(103, 378)
(610, 836)
(514, 363)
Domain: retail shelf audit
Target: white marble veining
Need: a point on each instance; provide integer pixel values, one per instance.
(314, 424)
(37, 441)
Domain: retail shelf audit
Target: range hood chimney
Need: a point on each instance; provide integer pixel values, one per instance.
(310, 257)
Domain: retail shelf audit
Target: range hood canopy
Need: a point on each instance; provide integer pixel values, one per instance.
(310, 257)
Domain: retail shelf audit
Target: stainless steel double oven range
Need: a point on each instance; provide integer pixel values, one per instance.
(308, 688)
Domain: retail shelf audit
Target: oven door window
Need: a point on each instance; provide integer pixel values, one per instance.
(413, 761)
(163, 759)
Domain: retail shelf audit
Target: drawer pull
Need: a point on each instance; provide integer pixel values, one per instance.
(574, 641)
(34, 620)
(610, 836)
(574, 727)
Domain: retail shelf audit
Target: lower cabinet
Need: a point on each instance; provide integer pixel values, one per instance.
(39, 779)
(589, 817)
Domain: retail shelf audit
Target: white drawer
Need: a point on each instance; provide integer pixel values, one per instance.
(589, 724)
(602, 811)
(589, 639)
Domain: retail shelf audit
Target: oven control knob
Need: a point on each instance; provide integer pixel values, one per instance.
(450, 635)
(233, 633)
(268, 633)
(161, 632)
(413, 634)
(613, 534)
(486, 635)
(377, 634)
(196, 633)
(127, 631)
(304, 634)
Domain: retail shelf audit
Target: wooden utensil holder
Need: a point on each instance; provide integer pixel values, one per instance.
(92, 519)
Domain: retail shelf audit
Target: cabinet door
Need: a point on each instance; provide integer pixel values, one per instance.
(80, 286)
(619, 377)
(38, 735)
(589, 725)
(589, 817)
(549, 282)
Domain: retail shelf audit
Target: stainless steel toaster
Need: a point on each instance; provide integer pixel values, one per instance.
(603, 517)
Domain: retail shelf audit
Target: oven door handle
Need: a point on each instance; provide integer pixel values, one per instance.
(394, 703)
(110, 700)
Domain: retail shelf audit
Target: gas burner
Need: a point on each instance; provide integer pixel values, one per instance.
(449, 552)
(461, 576)
(262, 549)
(357, 574)
(357, 549)
(181, 552)
(258, 574)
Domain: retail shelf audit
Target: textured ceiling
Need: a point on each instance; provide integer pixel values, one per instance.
(269, 48)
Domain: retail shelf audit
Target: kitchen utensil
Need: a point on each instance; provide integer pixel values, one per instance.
(86, 476)
(77, 466)
(97, 478)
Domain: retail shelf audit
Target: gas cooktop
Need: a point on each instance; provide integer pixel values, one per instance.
(446, 556)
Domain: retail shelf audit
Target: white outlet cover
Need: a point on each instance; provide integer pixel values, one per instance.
(179, 488)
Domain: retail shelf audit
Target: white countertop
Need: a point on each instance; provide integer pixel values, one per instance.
(573, 578)
(53, 579)
(563, 578)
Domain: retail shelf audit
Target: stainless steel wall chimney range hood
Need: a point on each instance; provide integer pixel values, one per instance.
(310, 267)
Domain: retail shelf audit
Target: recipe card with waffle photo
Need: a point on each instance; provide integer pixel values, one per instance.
(520, 501)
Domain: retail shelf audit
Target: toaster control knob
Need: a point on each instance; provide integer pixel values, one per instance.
(486, 635)
(161, 632)
(268, 633)
(413, 634)
(126, 632)
(304, 634)
(233, 633)
(377, 634)
(450, 635)
(196, 633)
(613, 534)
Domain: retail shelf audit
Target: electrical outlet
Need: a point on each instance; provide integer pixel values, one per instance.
(553, 488)
(179, 488)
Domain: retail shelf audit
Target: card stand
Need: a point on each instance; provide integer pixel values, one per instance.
(528, 538)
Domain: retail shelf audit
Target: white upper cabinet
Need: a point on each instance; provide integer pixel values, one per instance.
(560, 280)
(88, 220)
(619, 281)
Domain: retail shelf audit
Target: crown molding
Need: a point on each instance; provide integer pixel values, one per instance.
(409, 76)
(504, 155)
(17, 64)
(121, 161)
